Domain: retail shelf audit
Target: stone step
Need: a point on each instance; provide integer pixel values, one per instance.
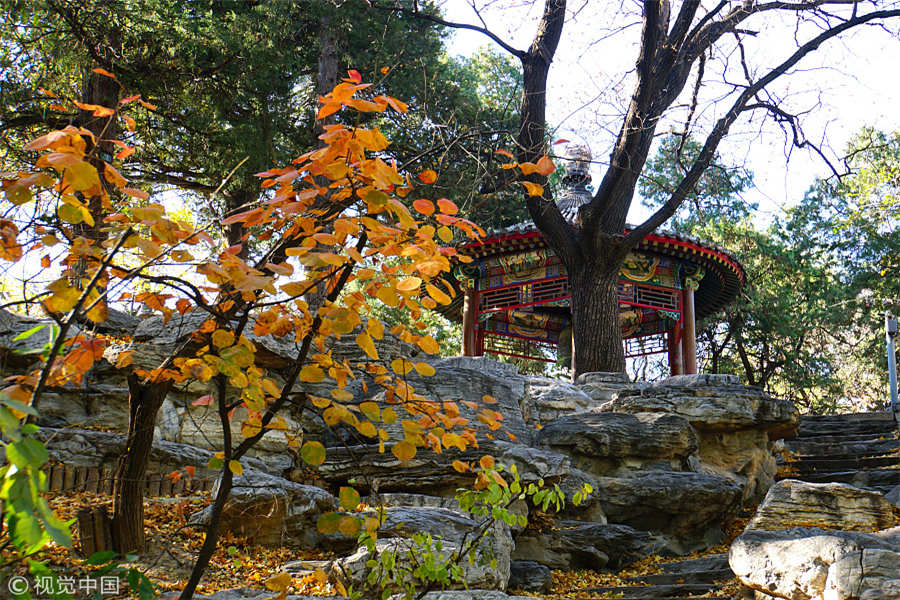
(710, 562)
(709, 577)
(840, 429)
(875, 417)
(822, 465)
(841, 438)
(650, 592)
(837, 450)
(871, 478)
(618, 596)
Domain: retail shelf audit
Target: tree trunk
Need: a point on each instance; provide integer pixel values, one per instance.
(144, 401)
(595, 320)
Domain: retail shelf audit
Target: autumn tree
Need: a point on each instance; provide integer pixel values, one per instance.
(674, 42)
(238, 85)
(354, 228)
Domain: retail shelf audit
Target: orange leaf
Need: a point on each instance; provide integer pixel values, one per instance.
(98, 111)
(103, 72)
(505, 153)
(136, 193)
(560, 142)
(533, 188)
(424, 206)
(460, 466)
(428, 176)
(545, 166)
(447, 207)
(486, 462)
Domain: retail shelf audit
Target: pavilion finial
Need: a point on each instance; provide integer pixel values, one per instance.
(578, 167)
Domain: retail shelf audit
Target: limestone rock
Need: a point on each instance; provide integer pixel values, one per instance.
(529, 576)
(794, 563)
(606, 443)
(367, 469)
(352, 570)
(893, 496)
(709, 402)
(792, 503)
(549, 399)
(519, 507)
(272, 511)
(694, 507)
(461, 595)
(745, 456)
(88, 448)
(582, 545)
(871, 573)
(591, 508)
(602, 387)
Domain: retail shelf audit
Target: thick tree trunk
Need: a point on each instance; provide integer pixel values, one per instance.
(144, 401)
(595, 320)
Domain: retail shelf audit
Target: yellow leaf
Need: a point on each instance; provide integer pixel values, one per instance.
(235, 467)
(341, 395)
(312, 374)
(460, 466)
(388, 296)
(389, 416)
(367, 429)
(436, 293)
(313, 453)
(409, 284)
(371, 410)
(222, 338)
(445, 234)
(364, 341)
(425, 369)
(280, 582)
(401, 366)
(533, 188)
(429, 345)
(403, 450)
(81, 176)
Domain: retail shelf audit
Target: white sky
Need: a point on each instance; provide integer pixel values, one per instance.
(845, 85)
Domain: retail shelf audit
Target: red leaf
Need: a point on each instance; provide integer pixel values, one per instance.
(354, 76)
(560, 142)
(203, 400)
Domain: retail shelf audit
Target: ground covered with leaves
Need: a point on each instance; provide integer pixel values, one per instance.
(173, 545)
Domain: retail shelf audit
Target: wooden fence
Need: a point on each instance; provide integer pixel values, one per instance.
(66, 478)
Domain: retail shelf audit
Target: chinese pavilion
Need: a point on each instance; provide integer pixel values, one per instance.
(515, 298)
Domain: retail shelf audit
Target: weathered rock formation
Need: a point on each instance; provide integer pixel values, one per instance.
(796, 563)
(791, 503)
(735, 424)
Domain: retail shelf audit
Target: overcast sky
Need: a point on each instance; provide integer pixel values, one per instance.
(847, 84)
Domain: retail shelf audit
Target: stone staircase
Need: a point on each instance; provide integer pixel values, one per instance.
(862, 450)
(685, 579)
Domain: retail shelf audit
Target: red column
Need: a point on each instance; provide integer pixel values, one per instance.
(673, 340)
(470, 320)
(689, 340)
